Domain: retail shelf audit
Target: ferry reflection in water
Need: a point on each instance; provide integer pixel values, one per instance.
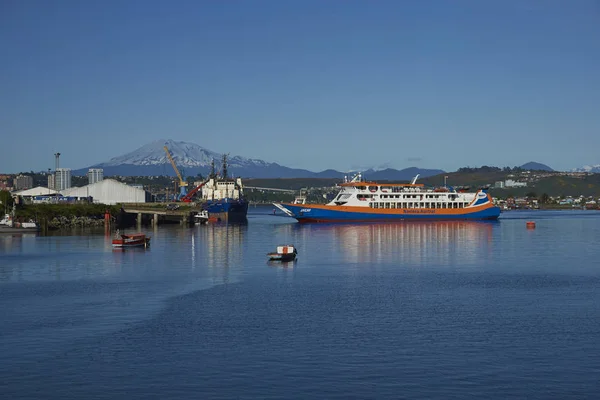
(445, 242)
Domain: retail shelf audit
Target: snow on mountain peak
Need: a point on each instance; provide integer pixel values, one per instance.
(588, 168)
(185, 155)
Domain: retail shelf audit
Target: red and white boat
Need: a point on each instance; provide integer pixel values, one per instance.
(283, 253)
(132, 240)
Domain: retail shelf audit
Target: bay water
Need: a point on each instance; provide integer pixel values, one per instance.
(368, 311)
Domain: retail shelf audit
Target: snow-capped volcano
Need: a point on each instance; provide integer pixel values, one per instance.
(588, 168)
(185, 154)
(192, 159)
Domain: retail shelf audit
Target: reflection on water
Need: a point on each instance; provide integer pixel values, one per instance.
(223, 243)
(409, 242)
(282, 264)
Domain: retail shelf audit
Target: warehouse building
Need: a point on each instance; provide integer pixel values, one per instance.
(36, 191)
(109, 191)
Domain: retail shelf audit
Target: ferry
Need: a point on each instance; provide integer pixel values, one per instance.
(371, 201)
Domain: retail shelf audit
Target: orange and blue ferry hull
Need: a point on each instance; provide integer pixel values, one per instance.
(333, 213)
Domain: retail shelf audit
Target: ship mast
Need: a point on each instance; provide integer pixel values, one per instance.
(212, 169)
(224, 166)
(225, 175)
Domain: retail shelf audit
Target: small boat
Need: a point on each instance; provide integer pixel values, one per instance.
(201, 217)
(132, 240)
(283, 253)
(8, 225)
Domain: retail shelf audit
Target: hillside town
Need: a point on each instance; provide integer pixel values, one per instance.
(59, 186)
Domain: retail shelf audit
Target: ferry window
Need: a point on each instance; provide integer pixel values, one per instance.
(403, 204)
(387, 205)
(427, 205)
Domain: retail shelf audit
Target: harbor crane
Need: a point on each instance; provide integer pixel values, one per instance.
(182, 184)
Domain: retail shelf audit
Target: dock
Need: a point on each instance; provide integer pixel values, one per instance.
(158, 215)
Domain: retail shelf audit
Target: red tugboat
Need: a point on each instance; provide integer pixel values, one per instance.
(132, 240)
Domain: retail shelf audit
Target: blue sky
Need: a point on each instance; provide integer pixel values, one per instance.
(307, 84)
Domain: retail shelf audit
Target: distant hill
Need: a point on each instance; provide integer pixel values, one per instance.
(192, 159)
(405, 174)
(535, 166)
(558, 185)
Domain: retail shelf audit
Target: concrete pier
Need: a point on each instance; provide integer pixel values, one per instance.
(156, 217)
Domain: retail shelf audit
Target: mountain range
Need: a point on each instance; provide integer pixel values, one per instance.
(589, 168)
(192, 159)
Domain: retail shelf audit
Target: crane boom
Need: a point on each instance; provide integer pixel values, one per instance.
(182, 183)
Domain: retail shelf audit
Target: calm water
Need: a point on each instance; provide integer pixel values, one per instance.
(415, 310)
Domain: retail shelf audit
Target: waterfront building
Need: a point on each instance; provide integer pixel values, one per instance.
(95, 175)
(23, 182)
(109, 191)
(62, 179)
(34, 192)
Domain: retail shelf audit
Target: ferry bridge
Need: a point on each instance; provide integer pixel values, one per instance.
(270, 189)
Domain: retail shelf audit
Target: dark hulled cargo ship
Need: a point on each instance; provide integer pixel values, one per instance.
(223, 197)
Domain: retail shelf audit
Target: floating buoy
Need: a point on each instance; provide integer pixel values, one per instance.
(530, 224)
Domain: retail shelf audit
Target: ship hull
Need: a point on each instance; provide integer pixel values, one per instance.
(328, 213)
(227, 210)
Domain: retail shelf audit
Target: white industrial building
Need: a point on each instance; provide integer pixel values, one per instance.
(109, 191)
(36, 191)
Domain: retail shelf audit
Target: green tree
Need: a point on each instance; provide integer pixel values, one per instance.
(6, 199)
(531, 195)
(544, 198)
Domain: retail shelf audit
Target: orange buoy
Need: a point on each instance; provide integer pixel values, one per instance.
(530, 224)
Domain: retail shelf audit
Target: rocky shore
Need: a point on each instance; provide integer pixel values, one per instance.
(62, 222)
